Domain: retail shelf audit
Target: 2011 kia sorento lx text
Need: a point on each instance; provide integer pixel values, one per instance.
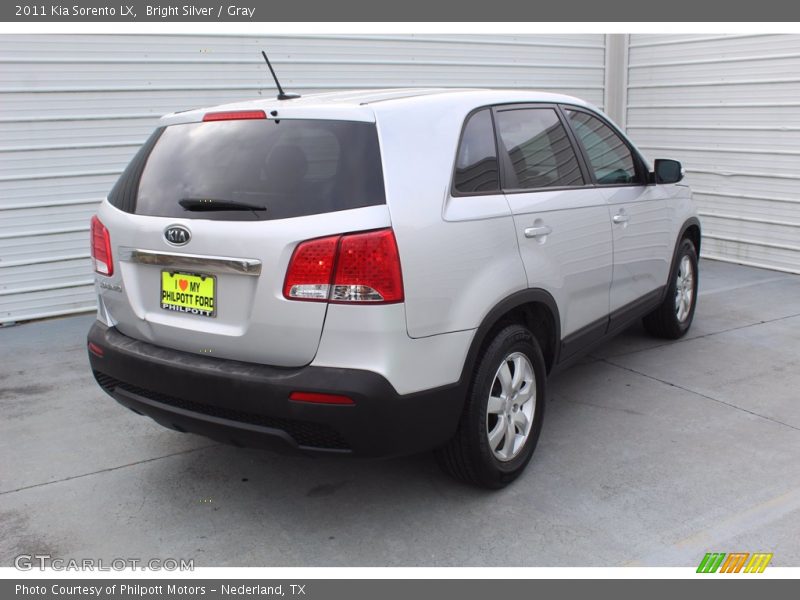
(382, 272)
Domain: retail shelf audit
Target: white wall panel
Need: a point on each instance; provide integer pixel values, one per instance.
(73, 110)
(728, 107)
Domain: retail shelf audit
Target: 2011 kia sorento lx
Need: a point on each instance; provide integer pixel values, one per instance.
(382, 272)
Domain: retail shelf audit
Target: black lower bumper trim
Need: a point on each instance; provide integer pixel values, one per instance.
(248, 404)
(312, 436)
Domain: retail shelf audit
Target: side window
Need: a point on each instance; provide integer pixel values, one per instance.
(540, 151)
(476, 162)
(609, 157)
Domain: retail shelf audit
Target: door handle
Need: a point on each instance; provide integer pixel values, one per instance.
(535, 232)
(620, 218)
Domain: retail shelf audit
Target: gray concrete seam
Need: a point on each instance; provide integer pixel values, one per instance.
(696, 393)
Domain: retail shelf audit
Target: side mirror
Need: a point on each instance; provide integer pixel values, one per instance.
(667, 171)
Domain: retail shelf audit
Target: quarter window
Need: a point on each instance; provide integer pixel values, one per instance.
(540, 152)
(609, 157)
(476, 163)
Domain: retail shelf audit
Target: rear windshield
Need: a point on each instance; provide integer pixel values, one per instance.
(261, 169)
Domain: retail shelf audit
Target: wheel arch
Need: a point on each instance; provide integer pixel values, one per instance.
(690, 229)
(536, 309)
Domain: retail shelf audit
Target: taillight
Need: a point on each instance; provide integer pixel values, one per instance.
(234, 115)
(368, 269)
(352, 268)
(310, 270)
(101, 248)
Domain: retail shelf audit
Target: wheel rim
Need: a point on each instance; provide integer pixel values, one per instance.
(684, 289)
(512, 403)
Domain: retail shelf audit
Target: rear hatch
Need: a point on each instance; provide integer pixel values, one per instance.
(204, 221)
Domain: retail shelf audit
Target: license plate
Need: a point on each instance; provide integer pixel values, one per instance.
(189, 293)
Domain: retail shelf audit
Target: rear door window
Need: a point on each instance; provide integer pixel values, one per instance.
(476, 162)
(286, 168)
(539, 150)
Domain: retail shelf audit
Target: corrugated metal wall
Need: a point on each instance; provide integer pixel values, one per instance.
(73, 110)
(728, 107)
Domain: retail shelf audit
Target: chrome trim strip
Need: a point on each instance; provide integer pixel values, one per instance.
(216, 264)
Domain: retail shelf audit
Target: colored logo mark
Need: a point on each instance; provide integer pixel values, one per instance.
(735, 562)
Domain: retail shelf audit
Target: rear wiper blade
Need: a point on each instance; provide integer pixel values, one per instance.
(200, 204)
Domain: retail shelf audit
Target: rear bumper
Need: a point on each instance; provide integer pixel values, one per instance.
(248, 404)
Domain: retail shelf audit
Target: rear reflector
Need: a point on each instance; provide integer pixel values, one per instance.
(235, 115)
(316, 398)
(95, 349)
(346, 269)
(101, 248)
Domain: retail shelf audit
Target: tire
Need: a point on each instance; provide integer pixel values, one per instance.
(482, 452)
(673, 318)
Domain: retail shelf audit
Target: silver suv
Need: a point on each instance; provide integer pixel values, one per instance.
(383, 272)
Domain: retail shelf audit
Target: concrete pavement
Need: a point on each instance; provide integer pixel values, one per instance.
(652, 453)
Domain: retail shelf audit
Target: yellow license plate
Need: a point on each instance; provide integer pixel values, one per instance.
(189, 293)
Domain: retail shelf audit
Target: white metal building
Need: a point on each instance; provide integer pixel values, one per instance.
(729, 109)
(73, 110)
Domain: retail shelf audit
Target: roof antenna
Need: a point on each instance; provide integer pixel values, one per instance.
(281, 94)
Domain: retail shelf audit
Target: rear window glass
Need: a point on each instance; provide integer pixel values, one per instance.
(261, 169)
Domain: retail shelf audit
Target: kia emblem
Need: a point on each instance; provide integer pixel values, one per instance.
(177, 235)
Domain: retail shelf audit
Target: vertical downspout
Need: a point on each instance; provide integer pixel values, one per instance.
(615, 96)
